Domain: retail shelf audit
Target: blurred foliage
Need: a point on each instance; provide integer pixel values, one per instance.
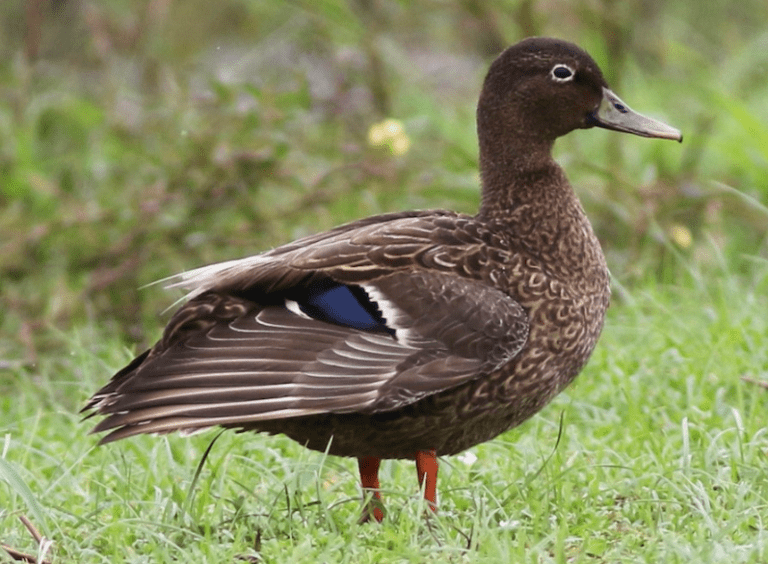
(145, 137)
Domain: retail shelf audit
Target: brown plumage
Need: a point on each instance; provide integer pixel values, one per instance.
(407, 335)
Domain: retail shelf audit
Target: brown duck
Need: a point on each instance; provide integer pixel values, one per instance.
(406, 335)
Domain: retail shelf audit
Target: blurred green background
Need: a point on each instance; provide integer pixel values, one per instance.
(139, 138)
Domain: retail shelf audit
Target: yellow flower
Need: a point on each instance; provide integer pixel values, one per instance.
(681, 235)
(389, 133)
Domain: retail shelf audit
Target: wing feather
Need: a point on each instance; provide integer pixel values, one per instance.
(236, 355)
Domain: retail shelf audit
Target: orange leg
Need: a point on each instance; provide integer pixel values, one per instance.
(369, 477)
(426, 467)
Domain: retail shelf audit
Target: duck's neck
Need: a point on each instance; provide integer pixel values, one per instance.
(530, 200)
(519, 172)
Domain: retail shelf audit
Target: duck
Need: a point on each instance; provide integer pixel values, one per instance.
(408, 335)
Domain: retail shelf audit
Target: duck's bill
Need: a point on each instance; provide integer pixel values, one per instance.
(615, 114)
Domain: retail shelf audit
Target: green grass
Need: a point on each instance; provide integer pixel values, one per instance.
(661, 458)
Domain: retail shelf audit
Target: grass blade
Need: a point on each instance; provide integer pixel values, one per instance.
(19, 486)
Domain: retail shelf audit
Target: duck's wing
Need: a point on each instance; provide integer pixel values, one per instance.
(291, 336)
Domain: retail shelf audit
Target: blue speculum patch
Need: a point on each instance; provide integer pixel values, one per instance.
(343, 305)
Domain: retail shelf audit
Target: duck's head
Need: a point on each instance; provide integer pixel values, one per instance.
(541, 88)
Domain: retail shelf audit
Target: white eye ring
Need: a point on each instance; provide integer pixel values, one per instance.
(562, 73)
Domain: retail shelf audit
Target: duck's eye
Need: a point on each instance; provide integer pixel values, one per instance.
(562, 73)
